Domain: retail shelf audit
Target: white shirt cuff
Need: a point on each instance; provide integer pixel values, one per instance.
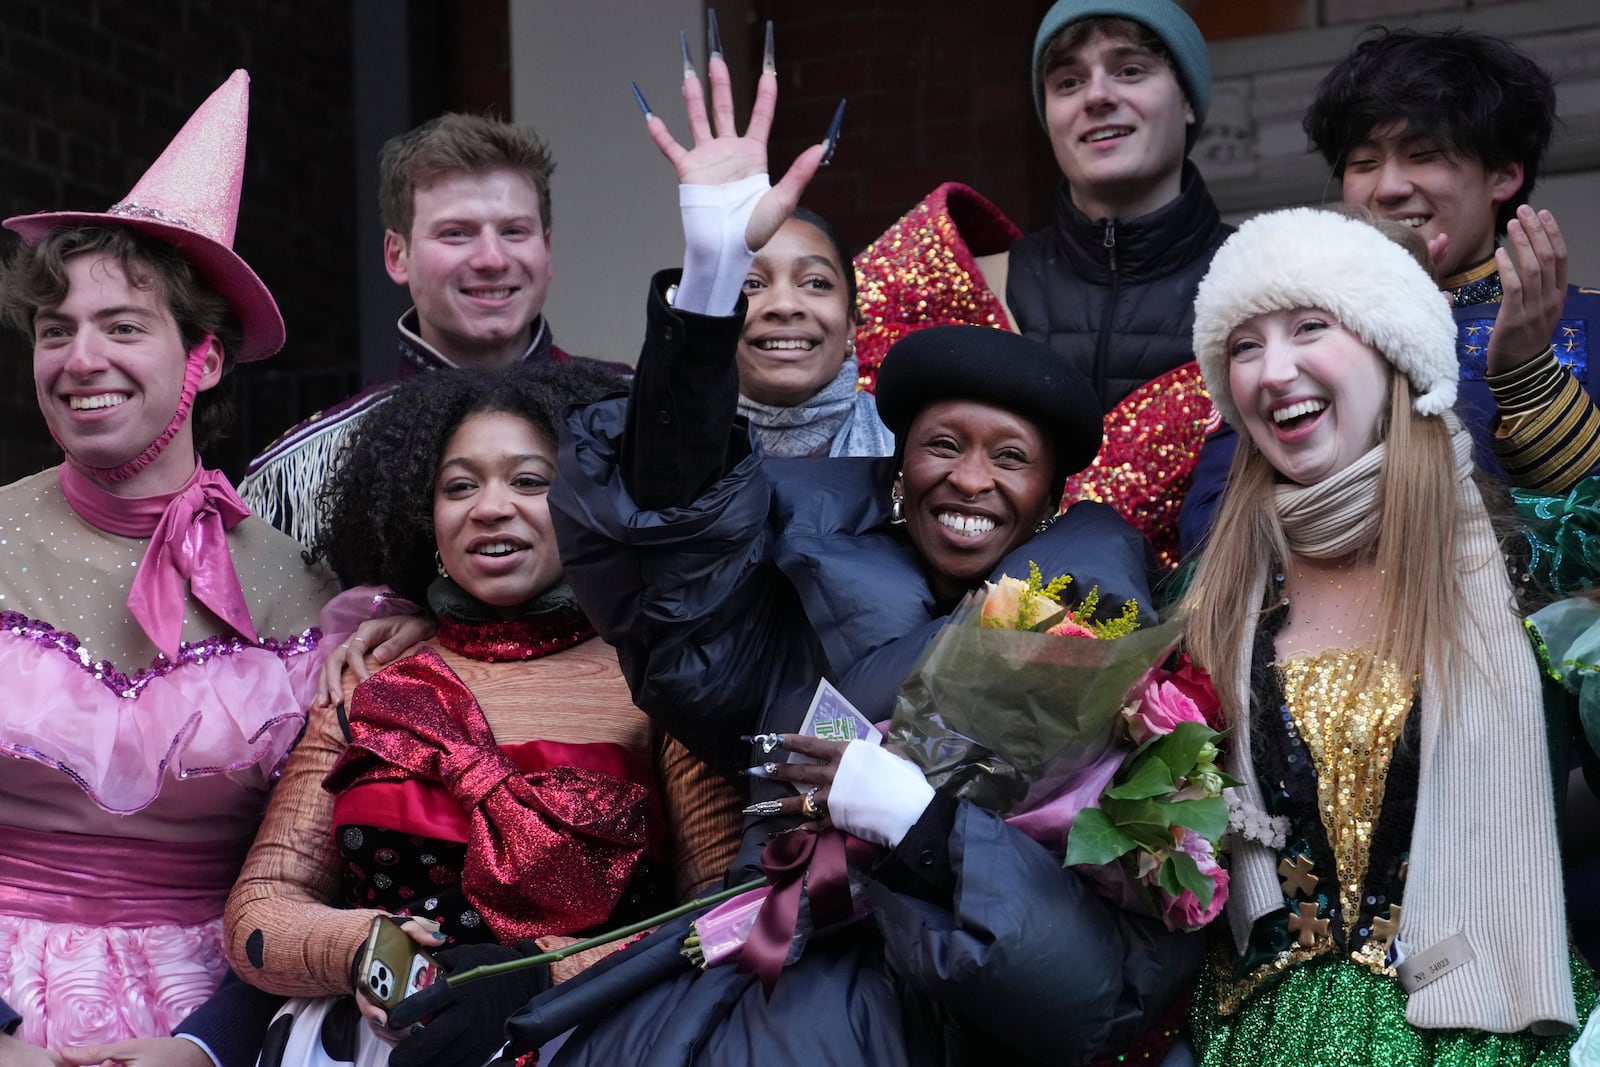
(877, 795)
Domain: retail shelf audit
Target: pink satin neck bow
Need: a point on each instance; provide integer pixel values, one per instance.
(188, 544)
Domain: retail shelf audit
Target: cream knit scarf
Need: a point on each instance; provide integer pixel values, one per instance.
(1484, 856)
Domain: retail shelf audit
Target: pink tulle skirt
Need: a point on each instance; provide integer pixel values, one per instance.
(75, 984)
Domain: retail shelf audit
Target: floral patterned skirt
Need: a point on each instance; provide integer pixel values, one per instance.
(75, 984)
(1334, 1013)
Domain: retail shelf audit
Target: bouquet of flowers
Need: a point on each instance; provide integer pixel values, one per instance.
(1071, 727)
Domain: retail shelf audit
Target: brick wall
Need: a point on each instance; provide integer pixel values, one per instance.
(90, 93)
(938, 90)
(1222, 19)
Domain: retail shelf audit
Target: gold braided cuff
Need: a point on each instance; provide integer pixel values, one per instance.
(1548, 448)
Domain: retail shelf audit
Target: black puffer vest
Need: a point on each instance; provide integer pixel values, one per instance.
(1117, 296)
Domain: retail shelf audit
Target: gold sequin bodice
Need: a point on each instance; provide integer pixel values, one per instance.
(1350, 736)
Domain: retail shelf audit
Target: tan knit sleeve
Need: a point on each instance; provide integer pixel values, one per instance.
(283, 932)
(703, 818)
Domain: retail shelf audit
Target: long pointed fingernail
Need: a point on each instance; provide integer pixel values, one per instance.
(713, 35)
(688, 59)
(639, 99)
(762, 770)
(768, 742)
(830, 141)
(769, 64)
(765, 807)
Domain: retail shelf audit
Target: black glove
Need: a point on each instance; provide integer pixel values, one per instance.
(469, 1021)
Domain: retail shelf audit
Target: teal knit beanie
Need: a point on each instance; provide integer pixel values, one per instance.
(1175, 29)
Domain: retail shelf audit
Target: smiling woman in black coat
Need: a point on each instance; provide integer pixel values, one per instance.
(731, 584)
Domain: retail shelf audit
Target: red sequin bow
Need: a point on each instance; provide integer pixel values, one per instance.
(549, 852)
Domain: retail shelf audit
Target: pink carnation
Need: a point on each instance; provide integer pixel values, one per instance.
(1068, 628)
(1159, 710)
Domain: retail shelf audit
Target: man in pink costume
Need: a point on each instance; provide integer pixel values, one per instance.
(157, 640)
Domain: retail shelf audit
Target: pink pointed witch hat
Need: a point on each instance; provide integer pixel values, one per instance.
(190, 199)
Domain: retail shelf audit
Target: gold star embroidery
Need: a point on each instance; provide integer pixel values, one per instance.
(1306, 926)
(1472, 331)
(1295, 873)
(1569, 331)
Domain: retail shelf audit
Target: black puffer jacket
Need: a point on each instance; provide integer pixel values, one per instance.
(1117, 295)
(725, 613)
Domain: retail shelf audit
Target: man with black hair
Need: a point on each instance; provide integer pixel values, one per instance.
(1446, 132)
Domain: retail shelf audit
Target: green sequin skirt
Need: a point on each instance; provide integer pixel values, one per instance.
(1333, 1013)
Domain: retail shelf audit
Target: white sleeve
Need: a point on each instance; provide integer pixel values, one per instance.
(877, 795)
(715, 258)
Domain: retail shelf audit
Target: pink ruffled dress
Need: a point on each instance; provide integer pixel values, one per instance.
(135, 783)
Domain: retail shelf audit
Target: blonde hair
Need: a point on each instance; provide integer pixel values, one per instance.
(1420, 602)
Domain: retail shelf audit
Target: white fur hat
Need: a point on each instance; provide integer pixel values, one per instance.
(1310, 258)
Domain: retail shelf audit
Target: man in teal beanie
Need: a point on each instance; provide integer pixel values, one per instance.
(1122, 88)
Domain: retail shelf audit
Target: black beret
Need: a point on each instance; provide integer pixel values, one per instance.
(996, 367)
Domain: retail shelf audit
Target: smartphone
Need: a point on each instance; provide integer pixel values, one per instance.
(392, 966)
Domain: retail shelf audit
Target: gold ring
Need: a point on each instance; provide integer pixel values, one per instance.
(808, 804)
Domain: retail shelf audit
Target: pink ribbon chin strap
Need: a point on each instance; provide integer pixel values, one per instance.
(188, 544)
(194, 369)
(187, 530)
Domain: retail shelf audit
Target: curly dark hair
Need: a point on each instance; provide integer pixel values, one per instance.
(377, 506)
(1472, 94)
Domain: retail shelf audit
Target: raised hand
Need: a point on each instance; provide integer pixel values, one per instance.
(1534, 292)
(720, 155)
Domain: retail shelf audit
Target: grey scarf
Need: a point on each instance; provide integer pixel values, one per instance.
(838, 420)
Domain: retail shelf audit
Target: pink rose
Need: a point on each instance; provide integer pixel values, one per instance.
(1195, 683)
(1184, 912)
(1159, 710)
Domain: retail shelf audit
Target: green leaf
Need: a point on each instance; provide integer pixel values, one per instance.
(1150, 779)
(1167, 875)
(1132, 815)
(1048, 621)
(1186, 872)
(1180, 749)
(1208, 817)
(1095, 840)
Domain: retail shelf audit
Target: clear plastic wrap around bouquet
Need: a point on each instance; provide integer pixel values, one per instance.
(1015, 696)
